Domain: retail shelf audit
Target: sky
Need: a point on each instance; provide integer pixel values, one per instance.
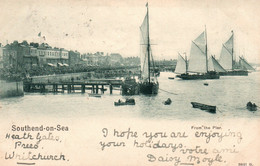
(113, 26)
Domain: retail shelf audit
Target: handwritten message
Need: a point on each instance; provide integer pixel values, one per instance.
(29, 144)
(201, 145)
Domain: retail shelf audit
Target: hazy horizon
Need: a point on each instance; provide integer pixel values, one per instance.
(113, 27)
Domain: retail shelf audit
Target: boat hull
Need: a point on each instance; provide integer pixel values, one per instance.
(123, 103)
(207, 108)
(234, 73)
(130, 87)
(168, 102)
(251, 108)
(127, 102)
(198, 76)
(149, 88)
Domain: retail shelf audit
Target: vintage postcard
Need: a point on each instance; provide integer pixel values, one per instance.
(129, 83)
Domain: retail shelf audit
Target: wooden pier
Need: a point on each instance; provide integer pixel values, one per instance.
(93, 85)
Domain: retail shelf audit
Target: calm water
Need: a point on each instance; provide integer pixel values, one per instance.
(230, 94)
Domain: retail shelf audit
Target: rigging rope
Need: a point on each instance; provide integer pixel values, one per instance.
(219, 110)
(168, 91)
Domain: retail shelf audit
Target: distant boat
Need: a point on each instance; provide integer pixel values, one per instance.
(171, 78)
(148, 81)
(197, 68)
(208, 108)
(94, 95)
(226, 59)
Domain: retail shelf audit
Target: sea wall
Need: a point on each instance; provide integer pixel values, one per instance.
(11, 89)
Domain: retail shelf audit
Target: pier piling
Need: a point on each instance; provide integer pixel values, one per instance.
(72, 87)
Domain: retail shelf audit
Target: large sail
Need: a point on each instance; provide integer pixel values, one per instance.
(144, 49)
(197, 62)
(214, 65)
(181, 65)
(245, 65)
(226, 55)
(230, 43)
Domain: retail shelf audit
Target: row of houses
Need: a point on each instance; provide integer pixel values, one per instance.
(27, 55)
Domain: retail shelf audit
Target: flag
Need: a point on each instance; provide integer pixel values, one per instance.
(39, 34)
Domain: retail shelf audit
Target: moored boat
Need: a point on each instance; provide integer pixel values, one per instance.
(130, 87)
(126, 102)
(207, 108)
(168, 101)
(148, 81)
(251, 106)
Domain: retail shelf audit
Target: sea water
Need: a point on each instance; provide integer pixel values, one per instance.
(229, 93)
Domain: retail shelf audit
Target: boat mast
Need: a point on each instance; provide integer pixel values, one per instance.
(186, 63)
(232, 50)
(148, 44)
(206, 49)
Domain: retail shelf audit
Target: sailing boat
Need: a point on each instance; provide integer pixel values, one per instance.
(148, 81)
(198, 63)
(226, 59)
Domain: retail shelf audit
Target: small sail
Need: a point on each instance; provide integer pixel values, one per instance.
(197, 62)
(214, 65)
(244, 64)
(226, 55)
(181, 65)
(144, 49)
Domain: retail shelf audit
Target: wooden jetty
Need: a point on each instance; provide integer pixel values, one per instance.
(94, 85)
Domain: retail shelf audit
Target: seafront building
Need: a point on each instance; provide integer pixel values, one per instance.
(25, 55)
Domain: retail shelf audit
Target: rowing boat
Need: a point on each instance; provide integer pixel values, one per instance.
(207, 108)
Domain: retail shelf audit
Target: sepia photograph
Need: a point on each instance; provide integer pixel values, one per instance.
(129, 82)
